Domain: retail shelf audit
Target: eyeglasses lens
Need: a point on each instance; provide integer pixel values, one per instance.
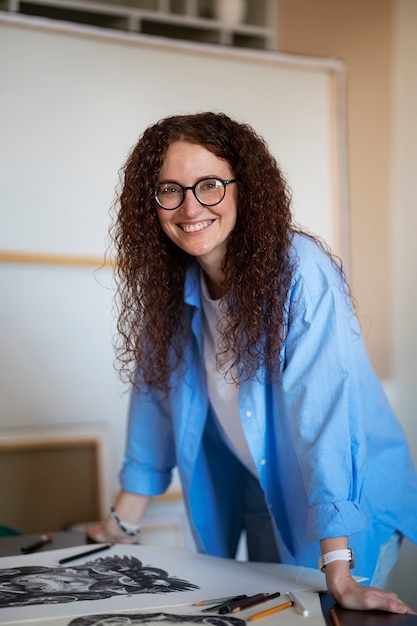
(210, 191)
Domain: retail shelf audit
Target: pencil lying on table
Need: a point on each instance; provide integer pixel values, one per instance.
(227, 602)
(68, 559)
(217, 600)
(250, 602)
(41, 541)
(268, 612)
(242, 603)
(334, 617)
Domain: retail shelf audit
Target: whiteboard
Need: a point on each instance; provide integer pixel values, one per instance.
(75, 100)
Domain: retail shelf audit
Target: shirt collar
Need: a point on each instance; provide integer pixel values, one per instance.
(192, 285)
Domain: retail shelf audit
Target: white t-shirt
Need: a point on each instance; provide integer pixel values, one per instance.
(223, 394)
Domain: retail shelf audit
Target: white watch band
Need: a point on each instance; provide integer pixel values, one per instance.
(337, 555)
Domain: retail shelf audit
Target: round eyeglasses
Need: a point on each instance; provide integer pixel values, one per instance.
(208, 191)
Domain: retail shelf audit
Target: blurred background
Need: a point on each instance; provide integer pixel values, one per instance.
(376, 41)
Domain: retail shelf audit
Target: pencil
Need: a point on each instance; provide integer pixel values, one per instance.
(68, 559)
(298, 604)
(245, 602)
(334, 617)
(216, 601)
(251, 602)
(275, 609)
(41, 541)
(222, 605)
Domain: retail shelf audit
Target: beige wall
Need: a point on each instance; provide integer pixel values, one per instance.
(377, 39)
(404, 228)
(404, 210)
(359, 32)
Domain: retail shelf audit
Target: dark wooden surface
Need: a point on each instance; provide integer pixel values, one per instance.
(362, 618)
(10, 546)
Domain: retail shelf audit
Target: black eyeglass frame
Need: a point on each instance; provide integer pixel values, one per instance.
(193, 189)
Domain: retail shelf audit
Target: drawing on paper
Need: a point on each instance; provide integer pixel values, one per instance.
(152, 619)
(95, 580)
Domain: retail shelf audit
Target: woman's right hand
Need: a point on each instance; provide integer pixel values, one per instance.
(109, 532)
(130, 508)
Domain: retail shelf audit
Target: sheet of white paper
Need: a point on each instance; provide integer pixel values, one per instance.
(192, 616)
(182, 615)
(303, 578)
(135, 578)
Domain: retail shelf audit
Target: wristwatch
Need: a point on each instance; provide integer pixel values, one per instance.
(337, 555)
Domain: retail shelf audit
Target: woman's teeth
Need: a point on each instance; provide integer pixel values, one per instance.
(192, 228)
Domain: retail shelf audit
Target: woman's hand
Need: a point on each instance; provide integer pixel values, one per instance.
(352, 595)
(109, 532)
(129, 508)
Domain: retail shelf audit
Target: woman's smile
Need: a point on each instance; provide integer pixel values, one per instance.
(195, 226)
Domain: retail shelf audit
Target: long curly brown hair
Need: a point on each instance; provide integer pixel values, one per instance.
(150, 269)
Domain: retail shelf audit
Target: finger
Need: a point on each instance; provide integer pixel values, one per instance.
(385, 601)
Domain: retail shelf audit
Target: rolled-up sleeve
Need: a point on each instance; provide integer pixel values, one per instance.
(150, 447)
(321, 391)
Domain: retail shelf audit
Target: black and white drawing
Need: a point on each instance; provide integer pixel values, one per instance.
(94, 580)
(154, 619)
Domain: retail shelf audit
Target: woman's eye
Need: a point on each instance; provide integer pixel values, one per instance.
(209, 185)
(170, 190)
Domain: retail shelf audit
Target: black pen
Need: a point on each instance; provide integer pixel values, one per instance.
(41, 541)
(215, 601)
(230, 606)
(217, 607)
(247, 605)
(68, 559)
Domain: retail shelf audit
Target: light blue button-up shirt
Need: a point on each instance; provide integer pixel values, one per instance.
(331, 456)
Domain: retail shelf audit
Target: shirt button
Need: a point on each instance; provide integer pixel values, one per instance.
(263, 462)
(248, 413)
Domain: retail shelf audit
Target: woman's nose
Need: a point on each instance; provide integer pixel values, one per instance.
(190, 206)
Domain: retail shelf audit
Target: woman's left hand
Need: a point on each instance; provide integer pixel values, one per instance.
(352, 595)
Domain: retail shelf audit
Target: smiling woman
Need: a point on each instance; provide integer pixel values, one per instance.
(53, 233)
(184, 150)
(247, 365)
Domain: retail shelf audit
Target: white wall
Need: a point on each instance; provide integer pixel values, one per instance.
(76, 99)
(404, 277)
(73, 103)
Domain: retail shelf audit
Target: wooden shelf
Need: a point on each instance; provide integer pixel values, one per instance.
(180, 19)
